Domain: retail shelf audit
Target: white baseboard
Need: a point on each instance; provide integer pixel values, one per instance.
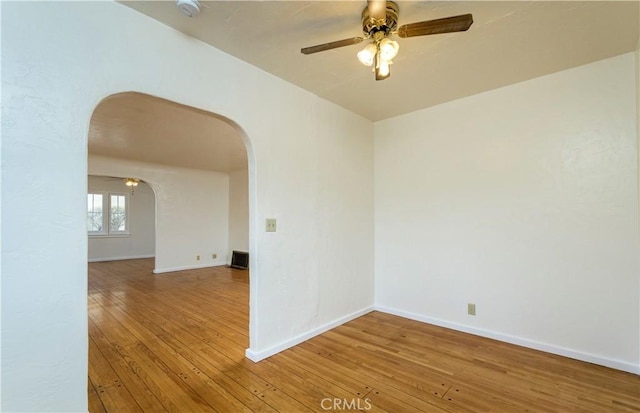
(256, 356)
(548, 348)
(132, 257)
(188, 267)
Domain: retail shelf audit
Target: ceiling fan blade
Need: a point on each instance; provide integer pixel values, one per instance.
(377, 9)
(446, 25)
(331, 45)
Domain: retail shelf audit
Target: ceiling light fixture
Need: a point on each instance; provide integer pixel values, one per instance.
(190, 8)
(388, 49)
(381, 52)
(379, 22)
(368, 54)
(131, 183)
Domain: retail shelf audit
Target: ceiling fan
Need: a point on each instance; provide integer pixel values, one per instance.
(379, 22)
(129, 182)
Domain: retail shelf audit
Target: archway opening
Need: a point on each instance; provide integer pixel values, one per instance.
(196, 165)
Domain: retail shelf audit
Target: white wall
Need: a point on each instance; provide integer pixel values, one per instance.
(524, 201)
(60, 59)
(238, 211)
(192, 211)
(140, 242)
(638, 134)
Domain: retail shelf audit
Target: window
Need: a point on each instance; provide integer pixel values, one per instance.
(113, 222)
(94, 213)
(117, 213)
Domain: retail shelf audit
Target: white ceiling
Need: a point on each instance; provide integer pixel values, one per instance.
(144, 128)
(508, 42)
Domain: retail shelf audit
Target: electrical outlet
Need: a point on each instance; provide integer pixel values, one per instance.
(471, 309)
(197, 258)
(214, 256)
(270, 225)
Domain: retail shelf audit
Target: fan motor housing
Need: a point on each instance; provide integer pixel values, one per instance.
(371, 25)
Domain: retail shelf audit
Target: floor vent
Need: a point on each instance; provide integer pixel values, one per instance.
(240, 260)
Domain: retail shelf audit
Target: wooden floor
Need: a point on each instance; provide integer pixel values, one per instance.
(175, 342)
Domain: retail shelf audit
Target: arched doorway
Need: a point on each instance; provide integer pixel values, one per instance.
(197, 164)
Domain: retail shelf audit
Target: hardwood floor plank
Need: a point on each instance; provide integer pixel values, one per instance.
(232, 375)
(282, 402)
(194, 377)
(414, 396)
(95, 404)
(175, 342)
(387, 402)
(322, 375)
(100, 372)
(118, 399)
(127, 373)
(165, 384)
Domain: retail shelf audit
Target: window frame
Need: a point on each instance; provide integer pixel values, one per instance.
(125, 231)
(104, 230)
(106, 215)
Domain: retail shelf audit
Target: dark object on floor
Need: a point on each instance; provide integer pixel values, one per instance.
(240, 260)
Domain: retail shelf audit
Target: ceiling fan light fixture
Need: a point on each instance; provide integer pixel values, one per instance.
(379, 21)
(131, 182)
(367, 55)
(388, 49)
(383, 71)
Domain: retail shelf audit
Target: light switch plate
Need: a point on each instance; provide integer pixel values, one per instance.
(271, 225)
(471, 309)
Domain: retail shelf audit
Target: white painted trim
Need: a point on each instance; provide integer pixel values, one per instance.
(132, 257)
(189, 267)
(101, 235)
(257, 356)
(548, 348)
